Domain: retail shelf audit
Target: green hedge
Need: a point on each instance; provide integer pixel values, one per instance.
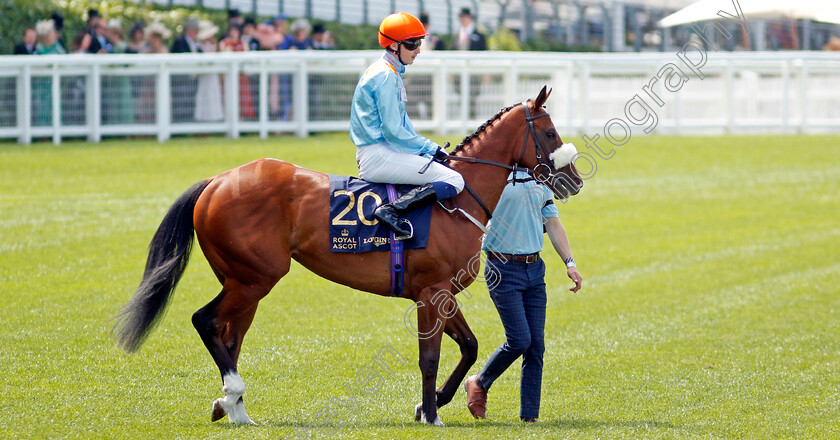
(543, 44)
(354, 37)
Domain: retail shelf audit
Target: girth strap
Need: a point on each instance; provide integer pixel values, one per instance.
(397, 253)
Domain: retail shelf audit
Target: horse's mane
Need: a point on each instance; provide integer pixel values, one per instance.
(481, 129)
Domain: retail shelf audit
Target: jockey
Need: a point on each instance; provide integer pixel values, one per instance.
(388, 149)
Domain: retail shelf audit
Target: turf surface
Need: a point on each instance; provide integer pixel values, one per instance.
(709, 307)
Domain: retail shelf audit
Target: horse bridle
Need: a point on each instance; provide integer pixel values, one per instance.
(531, 131)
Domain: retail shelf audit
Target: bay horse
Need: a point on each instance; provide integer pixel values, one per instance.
(252, 220)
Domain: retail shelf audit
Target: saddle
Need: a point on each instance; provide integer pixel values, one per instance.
(354, 229)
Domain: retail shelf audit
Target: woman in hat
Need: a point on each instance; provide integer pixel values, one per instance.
(208, 95)
(116, 37)
(118, 108)
(136, 41)
(233, 42)
(48, 43)
(156, 35)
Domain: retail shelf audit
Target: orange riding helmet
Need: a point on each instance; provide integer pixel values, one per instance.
(398, 27)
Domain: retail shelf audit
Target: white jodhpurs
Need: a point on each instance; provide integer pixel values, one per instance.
(381, 163)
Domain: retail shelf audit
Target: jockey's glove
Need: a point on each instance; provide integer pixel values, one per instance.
(440, 154)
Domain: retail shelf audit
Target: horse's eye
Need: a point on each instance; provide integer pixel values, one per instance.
(550, 134)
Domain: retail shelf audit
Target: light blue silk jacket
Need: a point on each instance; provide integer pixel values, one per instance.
(378, 111)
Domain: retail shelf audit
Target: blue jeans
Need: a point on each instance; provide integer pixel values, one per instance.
(520, 299)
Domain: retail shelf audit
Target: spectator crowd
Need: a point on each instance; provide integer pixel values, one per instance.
(199, 98)
(242, 34)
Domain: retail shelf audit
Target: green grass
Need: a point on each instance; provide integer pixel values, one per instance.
(709, 307)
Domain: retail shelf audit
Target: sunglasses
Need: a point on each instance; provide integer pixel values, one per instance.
(412, 44)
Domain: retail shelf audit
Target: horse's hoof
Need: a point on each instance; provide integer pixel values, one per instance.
(418, 412)
(218, 411)
(244, 421)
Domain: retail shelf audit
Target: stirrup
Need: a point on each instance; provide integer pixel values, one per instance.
(410, 230)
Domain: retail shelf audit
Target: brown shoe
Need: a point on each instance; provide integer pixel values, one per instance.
(476, 397)
(528, 419)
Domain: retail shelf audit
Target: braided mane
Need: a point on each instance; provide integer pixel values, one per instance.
(483, 127)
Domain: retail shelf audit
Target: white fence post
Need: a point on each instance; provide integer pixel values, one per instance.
(263, 100)
(162, 103)
(465, 99)
(511, 82)
(24, 105)
(803, 98)
(440, 85)
(785, 95)
(56, 105)
(677, 113)
(557, 100)
(729, 89)
(570, 79)
(232, 100)
(94, 103)
(584, 96)
(300, 99)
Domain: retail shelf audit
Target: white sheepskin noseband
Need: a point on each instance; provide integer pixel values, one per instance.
(563, 155)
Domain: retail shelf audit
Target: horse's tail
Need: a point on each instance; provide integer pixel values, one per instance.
(169, 253)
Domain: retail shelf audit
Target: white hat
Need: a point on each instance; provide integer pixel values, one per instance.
(114, 23)
(157, 28)
(44, 27)
(206, 29)
(301, 24)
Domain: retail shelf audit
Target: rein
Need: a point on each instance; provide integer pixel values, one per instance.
(532, 132)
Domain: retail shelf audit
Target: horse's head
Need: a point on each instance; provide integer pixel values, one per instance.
(544, 152)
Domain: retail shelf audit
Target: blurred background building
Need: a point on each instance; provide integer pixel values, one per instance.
(608, 25)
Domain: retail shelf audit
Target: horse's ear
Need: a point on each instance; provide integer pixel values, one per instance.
(542, 97)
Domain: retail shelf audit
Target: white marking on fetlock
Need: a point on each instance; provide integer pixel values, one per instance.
(418, 412)
(233, 384)
(437, 421)
(234, 388)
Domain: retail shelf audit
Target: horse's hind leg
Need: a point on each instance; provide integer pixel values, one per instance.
(232, 336)
(222, 324)
(235, 331)
(458, 329)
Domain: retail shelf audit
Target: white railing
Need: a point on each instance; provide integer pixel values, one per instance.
(92, 96)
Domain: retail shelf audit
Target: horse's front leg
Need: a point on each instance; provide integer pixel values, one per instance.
(458, 329)
(430, 325)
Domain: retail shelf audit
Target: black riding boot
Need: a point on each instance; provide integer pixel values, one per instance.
(389, 213)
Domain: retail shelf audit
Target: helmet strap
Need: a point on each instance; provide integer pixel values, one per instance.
(397, 52)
